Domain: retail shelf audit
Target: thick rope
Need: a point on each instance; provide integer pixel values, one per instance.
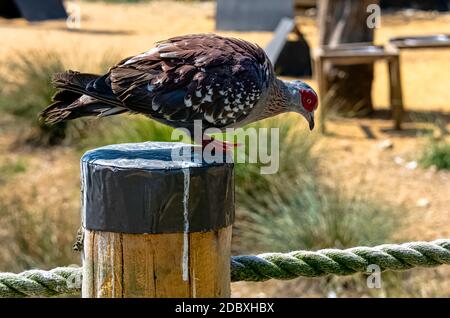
(67, 280)
(339, 262)
(39, 283)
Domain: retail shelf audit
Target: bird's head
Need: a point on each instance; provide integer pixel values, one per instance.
(303, 100)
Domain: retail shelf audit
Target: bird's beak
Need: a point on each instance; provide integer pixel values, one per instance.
(311, 121)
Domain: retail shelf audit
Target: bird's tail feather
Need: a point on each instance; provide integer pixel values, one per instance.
(73, 101)
(73, 80)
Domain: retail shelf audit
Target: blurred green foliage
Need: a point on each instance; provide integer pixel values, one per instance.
(436, 153)
(295, 209)
(122, 129)
(25, 89)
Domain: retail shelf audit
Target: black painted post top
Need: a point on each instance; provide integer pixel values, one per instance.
(155, 187)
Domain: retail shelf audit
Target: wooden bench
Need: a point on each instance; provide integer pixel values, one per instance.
(421, 42)
(361, 53)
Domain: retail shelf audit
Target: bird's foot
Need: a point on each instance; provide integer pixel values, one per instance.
(218, 144)
(79, 241)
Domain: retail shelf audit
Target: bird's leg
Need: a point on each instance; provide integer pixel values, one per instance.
(223, 145)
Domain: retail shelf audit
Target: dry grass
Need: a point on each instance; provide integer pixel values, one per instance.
(38, 209)
(49, 187)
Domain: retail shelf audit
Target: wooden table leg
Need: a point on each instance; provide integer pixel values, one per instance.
(320, 75)
(396, 95)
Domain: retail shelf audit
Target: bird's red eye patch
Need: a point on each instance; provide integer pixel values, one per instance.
(309, 100)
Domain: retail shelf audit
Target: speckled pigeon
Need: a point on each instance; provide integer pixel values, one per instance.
(221, 82)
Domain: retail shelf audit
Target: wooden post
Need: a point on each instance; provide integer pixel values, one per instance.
(396, 95)
(322, 83)
(155, 226)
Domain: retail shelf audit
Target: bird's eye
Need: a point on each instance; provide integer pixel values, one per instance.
(309, 101)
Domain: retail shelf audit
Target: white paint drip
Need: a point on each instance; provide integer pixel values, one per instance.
(185, 260)
(84, 177)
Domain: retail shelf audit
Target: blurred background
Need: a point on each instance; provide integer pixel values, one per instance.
(360, 182)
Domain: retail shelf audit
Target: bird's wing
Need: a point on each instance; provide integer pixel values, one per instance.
(198, 77)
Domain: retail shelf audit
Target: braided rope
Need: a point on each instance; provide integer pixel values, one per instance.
(339, 262)
(40, 283)
(67, 280)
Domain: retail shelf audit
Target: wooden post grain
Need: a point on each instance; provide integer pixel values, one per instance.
(157, 255)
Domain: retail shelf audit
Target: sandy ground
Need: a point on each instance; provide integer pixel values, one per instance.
(350, 156)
